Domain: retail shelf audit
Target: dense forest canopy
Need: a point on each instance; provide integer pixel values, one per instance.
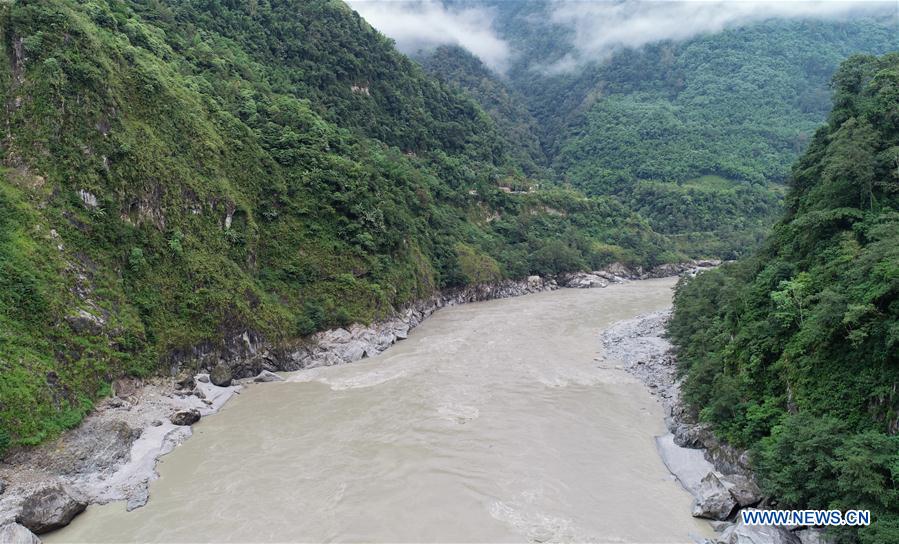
(794, 351)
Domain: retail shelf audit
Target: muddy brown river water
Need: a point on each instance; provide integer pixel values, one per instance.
(493, 422)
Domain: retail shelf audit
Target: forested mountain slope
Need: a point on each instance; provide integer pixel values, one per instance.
(514, 122)
(697, 136)
(178, 173)
(794, 352)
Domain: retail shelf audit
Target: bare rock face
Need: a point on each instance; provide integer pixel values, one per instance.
(221, 375)
(714, 500)
(98, 444)
(185, 417)
(49, 508)
(13, 533)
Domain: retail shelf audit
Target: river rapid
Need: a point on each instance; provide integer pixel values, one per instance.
(493, 422)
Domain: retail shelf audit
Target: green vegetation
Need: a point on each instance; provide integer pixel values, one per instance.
(794, 352)
(741, 105)
(514, 122)
(181, 172)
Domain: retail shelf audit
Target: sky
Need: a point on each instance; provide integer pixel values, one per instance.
(598, 27)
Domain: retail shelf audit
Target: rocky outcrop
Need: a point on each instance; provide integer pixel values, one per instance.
(112, 455)
(13, 533)
(617, 273)
(48, 509)
(697, 435)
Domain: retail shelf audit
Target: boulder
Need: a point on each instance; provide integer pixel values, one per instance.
(713, 500)
(203, 378)
(266, 376)
(49, 508)
(221, 375)
(2, 487)
(13, 533)
(742, 489)
(756, 534)
(186, 417)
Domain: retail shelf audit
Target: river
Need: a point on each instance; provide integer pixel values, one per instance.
(493, 422)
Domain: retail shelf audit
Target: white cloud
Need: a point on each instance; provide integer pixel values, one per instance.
(601, 27)
(598, 27)
(419, 24)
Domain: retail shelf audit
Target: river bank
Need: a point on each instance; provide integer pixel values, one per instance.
(718, 476)
(112, 456)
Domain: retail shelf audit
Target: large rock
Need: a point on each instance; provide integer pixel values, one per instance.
(98, 444)
(713, 500)
(221, 375)
(266, 376)
(13, 533)
(186, 417)
(742, 489)
(757, 534)
(49, 508)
